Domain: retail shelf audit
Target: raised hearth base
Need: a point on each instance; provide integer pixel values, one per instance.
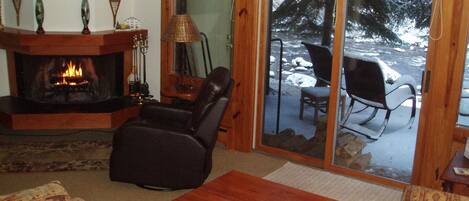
(21, 114)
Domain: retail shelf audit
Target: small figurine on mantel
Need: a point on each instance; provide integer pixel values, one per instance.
(40, 16)
(85, 16)
(128, 24)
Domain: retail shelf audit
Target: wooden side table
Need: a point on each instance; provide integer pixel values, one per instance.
(456, 183)
(172, 92)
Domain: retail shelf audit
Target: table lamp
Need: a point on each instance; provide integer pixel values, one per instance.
(182, 29)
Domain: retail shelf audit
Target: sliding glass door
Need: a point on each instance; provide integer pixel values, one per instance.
(379, 57)
(384, 57)
(463, 113)
(297, 76)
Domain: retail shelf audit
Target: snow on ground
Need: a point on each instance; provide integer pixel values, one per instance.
(395, 61)
(299, 61)
(408, 34)
(408, 58)
(300, 80)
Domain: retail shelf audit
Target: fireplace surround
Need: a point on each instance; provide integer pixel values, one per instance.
(67, 80)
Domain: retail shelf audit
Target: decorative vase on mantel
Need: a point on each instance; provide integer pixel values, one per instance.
(40, 16)
(85, 16)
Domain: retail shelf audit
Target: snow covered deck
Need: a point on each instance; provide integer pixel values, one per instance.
(395, 148)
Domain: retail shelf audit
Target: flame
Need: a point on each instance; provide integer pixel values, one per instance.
(72, 72)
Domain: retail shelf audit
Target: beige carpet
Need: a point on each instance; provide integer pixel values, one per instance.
(96, 186)
(332, 185)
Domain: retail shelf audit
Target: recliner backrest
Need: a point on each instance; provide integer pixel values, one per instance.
(322, 61)
(213, 88)
(208, 127)
(364, 79)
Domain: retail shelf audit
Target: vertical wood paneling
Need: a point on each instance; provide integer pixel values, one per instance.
(167, 51)
(438, 116)
(461, 132)
(244, 70)
(262, 65)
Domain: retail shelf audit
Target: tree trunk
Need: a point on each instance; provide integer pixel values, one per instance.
(328, 20)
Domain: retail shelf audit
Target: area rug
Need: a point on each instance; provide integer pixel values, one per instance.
(54, 156)
(332, 185)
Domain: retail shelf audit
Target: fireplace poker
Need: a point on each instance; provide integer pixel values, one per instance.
(137, 56)
(144, 49)
(134, 51)
(140, 45)
(134, 65)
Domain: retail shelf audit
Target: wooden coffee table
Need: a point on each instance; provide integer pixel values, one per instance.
(239, 186)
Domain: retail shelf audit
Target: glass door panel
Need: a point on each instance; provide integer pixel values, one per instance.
(463, 115)
(384, 56)
(297, 76)
(213, 18)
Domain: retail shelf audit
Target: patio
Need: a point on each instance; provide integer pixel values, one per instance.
(392, 152)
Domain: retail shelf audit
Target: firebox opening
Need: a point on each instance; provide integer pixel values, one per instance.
(69, 79)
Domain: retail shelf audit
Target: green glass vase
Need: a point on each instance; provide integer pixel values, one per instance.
(85, 16)
(40, 16)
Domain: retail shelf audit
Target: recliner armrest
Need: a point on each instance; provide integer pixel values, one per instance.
(166, 142)
(169, 112)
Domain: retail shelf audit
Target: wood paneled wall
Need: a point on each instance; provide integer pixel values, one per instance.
(445, 60)
(244, 73)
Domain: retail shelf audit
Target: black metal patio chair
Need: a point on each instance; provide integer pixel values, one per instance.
(366, 84)
(318, 96)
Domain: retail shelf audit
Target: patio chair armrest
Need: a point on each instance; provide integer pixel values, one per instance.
(402, 81)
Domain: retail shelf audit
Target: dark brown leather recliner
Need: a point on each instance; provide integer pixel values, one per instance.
(171, 148)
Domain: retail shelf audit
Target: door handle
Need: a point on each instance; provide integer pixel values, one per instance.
(426, 86)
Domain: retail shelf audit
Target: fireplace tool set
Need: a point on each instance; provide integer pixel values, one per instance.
(138, 86)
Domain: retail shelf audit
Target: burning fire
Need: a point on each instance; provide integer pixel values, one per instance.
(72, 71)
(72, 76)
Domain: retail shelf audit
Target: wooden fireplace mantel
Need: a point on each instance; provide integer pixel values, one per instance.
(13, 112)
(67, 43)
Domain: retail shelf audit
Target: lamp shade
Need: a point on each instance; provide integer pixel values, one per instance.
(181, 29)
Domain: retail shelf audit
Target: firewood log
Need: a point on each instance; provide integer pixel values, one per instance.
(362, 162)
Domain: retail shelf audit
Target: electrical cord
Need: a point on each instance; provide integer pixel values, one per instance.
(438, 10)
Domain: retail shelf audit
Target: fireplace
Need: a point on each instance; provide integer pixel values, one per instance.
(69, 79)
